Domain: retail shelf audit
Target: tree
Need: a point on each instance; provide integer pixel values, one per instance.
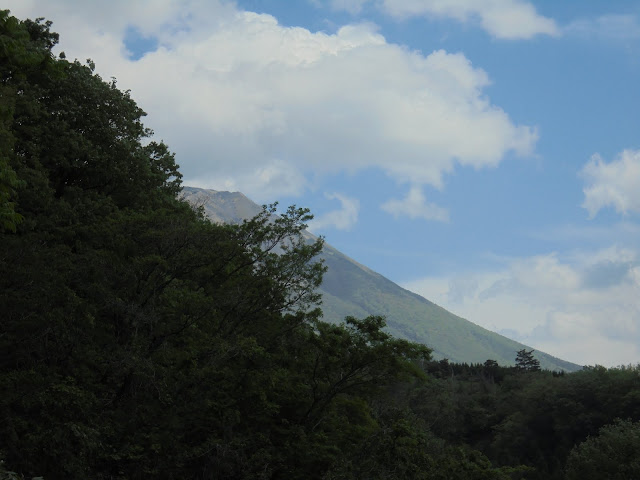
(75, 179)
(526, 362)
(14, 51)
(613, 454)
(139, 340)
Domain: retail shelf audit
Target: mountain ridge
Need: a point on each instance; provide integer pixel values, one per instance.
(350, 288)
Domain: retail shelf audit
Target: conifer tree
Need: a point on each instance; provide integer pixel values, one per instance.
(525, 361)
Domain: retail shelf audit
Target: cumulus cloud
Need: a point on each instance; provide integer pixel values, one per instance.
(237, 95)
(341, 219)
(506, 19)
(415, 205)
(615, 184)
(581, 307)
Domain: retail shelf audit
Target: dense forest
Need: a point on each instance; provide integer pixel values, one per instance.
(138, 340)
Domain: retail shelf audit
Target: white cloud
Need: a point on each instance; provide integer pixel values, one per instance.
(507, 19)
(609, 27)
(234, 93)
(342, 219)
(415, 205)
(581, 307)
(615, 184)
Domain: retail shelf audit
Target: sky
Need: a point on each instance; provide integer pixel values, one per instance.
(485, 155)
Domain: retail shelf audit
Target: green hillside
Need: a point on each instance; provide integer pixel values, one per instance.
(350, 288)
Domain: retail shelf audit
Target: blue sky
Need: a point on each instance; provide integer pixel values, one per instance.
(485, 155)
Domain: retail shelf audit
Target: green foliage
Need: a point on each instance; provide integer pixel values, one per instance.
(404, 448)
(526, 362)
(515, 419)
(613, 454)
(9, 475)
(12, 51)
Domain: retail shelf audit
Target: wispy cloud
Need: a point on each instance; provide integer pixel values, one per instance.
(342, 219)
(606, 27)
(352, 6)
(415, 205)
(504, 19)
(615, 184)
(623, 233)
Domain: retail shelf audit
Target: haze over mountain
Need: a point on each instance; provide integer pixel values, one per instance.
(350, 288)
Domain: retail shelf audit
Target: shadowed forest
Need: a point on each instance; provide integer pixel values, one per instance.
(138, 340)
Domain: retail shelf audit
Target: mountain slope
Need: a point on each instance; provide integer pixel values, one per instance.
(350, 288)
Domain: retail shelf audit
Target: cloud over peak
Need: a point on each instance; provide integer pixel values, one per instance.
(343, 218)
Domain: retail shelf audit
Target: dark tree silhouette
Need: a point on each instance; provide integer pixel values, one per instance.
(525, 361)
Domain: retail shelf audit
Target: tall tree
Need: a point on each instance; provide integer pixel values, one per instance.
(525, 361)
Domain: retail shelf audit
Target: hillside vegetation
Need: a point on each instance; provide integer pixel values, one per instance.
(139, 340)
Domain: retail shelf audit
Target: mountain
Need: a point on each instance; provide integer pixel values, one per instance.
(350, 288)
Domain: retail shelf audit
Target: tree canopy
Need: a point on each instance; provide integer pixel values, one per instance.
(614, 453)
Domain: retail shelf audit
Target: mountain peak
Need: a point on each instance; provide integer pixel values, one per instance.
(350, 288)
(222, 206)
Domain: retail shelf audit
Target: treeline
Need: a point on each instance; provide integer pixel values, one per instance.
(536, 418)
(139, 341)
